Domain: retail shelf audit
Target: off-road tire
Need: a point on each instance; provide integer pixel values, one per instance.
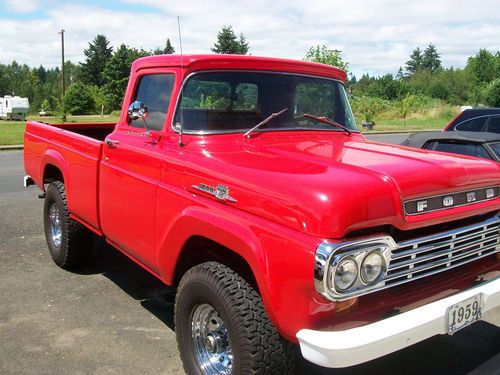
(76, 240)
(256, 345)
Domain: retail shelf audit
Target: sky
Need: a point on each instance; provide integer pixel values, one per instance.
(375, 37)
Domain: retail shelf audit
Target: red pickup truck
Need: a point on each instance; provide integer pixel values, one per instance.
(245, 182)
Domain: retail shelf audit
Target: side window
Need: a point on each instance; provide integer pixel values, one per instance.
(470, 149)
(472, 125)
(154, 91)
(496, 148)
(430, 145)
(493, 125)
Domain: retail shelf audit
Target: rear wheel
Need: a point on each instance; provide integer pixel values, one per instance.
(69, 241)
(222, 326)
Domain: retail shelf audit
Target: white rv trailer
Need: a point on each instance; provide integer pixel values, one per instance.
(13, 107)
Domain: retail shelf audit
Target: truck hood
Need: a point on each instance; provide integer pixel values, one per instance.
(329, 185)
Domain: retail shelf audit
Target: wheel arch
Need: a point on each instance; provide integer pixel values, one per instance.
(200, 235)
(53, 168)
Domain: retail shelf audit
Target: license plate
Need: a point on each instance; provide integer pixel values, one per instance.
(463, 313)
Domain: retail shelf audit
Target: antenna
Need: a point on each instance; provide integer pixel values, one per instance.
(182, 83)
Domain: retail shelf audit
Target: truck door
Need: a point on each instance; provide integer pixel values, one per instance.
(130, 172)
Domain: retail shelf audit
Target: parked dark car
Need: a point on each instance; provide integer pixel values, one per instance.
(483, 145)
(476, 120)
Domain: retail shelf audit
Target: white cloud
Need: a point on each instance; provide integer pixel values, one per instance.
(375, 37)
(22, 6)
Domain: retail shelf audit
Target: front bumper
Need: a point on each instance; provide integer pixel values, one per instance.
(361, 344)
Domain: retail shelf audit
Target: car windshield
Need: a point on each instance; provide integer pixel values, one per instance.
(221, 102)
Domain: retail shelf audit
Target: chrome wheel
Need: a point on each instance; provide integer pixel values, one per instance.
(212, 348)
(55, 225)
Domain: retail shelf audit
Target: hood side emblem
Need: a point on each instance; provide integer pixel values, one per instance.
(220, 192)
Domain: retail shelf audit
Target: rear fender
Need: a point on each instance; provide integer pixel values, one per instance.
(56, 159)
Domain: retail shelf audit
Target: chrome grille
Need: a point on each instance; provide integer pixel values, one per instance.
(426, 256)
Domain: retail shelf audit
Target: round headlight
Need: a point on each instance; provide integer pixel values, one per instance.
(345, 274)
(372, 267)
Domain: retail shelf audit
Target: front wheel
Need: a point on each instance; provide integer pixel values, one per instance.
(222, 326)
(69, 242)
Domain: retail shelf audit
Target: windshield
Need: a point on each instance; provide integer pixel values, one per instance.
(219, 102)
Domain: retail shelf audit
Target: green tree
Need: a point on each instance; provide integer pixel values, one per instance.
(492, 96)
(415, 62)
(167, 50)
(100, 100)
(228, 42)
(78, 100)
(116, 73)
(324, 55)
(367, 107)
(484, 66)
(45, 106)
(431, 59)
(386, 87)
(96, 57)
(405, 106)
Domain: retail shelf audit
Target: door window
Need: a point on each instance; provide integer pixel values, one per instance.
(155, 91)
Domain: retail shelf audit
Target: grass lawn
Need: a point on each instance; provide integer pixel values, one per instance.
(12, 132)
(411, 124)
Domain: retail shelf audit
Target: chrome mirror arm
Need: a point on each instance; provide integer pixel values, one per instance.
(138, 110)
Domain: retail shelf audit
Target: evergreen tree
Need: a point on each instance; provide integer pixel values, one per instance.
(96, 57)
(167, 50)
(415, 62)
(78, 100)
(116, 73)
(430, 60)
(227, 42)
(401, 75)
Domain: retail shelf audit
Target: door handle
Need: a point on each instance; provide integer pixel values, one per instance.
(112, 142)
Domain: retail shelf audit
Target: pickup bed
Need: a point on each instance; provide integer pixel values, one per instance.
(245, 182)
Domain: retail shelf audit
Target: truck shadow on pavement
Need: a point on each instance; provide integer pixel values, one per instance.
(457, 354)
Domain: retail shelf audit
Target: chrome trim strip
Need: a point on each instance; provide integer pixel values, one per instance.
(329, 254)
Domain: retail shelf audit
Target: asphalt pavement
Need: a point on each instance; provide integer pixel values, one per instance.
(112, 317)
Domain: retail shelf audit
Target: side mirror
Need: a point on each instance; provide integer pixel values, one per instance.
(138, 110)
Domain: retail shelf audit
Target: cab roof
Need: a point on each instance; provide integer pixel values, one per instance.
(193, 63)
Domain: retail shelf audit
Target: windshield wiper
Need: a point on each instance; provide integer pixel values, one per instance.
(326, 120)
(265, 121)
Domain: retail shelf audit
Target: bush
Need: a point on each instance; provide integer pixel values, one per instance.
(368, 107)
(78, 100)
(492, 97)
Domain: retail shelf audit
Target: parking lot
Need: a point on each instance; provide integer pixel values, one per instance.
(112, 317)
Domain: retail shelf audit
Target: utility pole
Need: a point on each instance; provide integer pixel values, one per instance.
(62, 74)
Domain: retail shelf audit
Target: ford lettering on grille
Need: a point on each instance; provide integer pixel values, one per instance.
(447, 201)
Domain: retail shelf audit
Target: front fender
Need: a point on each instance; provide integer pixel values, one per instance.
(282, 260)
